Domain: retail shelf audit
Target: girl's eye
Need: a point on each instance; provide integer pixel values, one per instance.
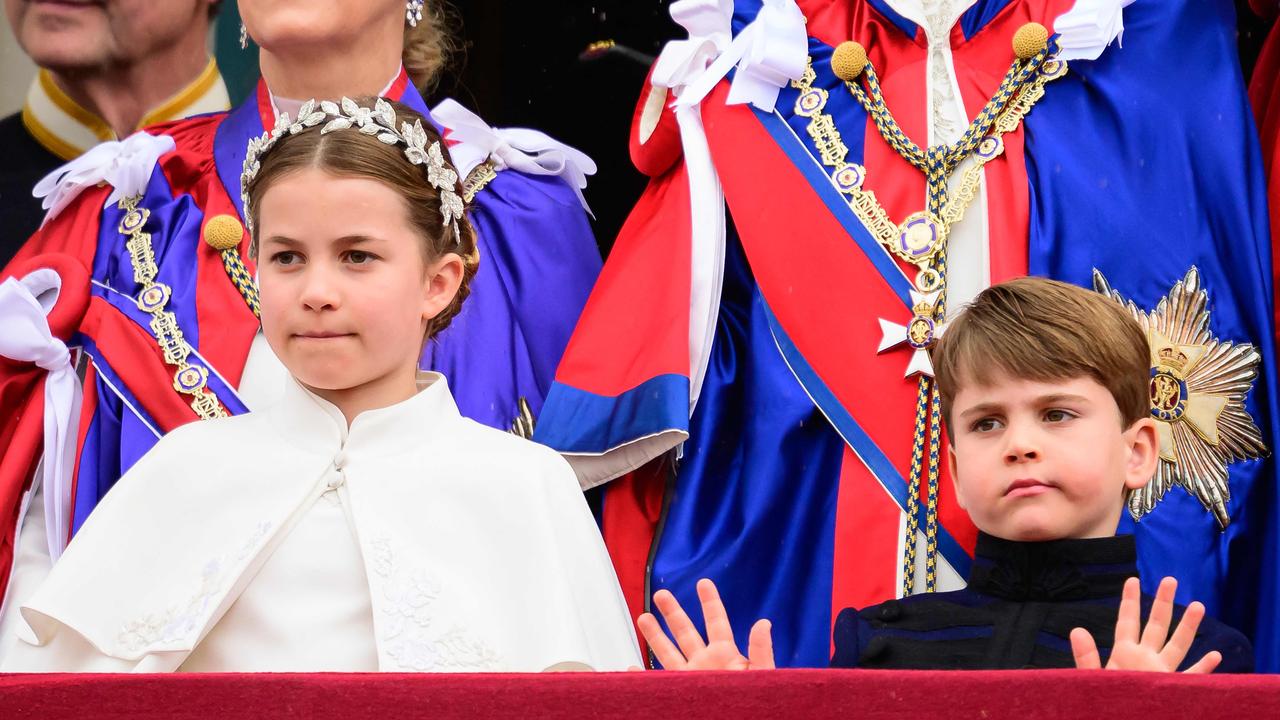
(1057, 416)
(286, 257)
(360, 257)
(986, 425)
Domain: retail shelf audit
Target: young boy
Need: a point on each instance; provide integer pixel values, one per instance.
(1045, 389)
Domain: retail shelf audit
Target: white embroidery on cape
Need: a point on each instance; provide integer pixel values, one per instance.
(408, 635)
(177, 622)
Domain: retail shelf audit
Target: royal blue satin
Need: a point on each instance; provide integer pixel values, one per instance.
(538, 261)
(753, 507)
(119, 435)
(1142, 166)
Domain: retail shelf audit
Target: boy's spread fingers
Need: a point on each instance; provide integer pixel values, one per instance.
(1206, 664)
(713, 613)
(1129, 619)
(682, 628)
(1156, 632)
(1085, 650)
(659, 643)
(1183, 636)
(760, 646)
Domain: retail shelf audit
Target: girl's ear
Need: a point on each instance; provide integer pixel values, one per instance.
(443, 278)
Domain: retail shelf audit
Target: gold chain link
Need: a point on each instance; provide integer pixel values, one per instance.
(188, 379)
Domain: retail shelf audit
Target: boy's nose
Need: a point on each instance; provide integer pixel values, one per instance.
(1020, 455)
(1022, 445)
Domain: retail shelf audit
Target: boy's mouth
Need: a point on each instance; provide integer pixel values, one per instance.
(1027, 487)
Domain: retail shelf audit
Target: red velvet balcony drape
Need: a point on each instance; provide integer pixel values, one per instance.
(1024, 695)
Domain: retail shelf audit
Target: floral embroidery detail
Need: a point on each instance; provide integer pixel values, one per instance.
(408, 634)
(179, 622)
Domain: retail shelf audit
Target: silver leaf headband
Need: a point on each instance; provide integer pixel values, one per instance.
(378, 121)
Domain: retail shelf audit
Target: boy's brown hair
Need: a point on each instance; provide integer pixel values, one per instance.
(1039, 329)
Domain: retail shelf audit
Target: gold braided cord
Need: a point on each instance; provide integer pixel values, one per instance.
(188, 379)
(873, 102)
(241, 278)
(1006, 116)
(913, 489)
(931, 501)
(1021, 88)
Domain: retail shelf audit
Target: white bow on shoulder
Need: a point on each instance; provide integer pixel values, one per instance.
(25, 337)
(124, 164)
(528, 151)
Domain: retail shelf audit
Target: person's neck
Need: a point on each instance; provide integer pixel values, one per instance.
(122, 95)
(331, 72)
(380, 393)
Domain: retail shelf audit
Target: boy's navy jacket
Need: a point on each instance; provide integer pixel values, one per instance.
(1018, 611)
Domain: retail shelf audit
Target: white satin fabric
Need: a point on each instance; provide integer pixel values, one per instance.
(126, 165)
(25, 337)
(767, 54)
(473, 141)
(309, 600)
(459, 548)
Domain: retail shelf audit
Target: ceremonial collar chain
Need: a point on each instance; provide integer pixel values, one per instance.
(921, 239)
(378, 121)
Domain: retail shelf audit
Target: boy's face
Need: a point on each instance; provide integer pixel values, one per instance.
(345, 294)
(1036, 460)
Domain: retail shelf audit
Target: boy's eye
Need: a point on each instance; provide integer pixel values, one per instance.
(1057, 415)
(986, 425)
(286, 257)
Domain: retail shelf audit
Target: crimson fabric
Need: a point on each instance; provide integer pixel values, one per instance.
(632, 511)
(1017, 694)
(1264, 93)
(22, 397)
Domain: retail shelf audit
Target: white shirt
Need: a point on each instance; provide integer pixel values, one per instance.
(473, 549)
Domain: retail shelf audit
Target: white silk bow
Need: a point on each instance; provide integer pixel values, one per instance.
(769, 52)
(1088, 28)
(125, 164)
(25, 337)
(522, 149)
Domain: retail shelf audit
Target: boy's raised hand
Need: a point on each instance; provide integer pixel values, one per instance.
(1150, 651)
(719, 652)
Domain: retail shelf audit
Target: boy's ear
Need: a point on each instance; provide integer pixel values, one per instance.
(443, 278)
(955, 478)
(1143, 439)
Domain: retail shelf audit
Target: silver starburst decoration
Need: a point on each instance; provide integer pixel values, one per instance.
(1198, 388)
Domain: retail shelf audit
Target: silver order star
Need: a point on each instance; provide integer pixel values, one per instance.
(1211, 427)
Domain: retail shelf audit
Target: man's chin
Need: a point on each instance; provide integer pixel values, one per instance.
(66, 53)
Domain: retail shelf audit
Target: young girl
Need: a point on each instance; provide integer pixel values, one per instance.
(361, 523)
(500, 353)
